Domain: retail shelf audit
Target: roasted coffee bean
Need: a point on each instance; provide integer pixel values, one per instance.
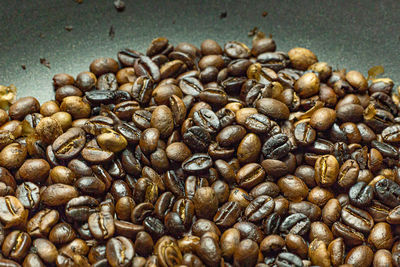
(276, 147)
(12, 211)
(361, 194)
(196, 163)
(293, 188)
(304, 134)
(297, 224)
(29, 195)
(16, 245)
(231, 135)
(350, 236)
(93, 153)
(273, 108)
(259, 208)
(58, 194)
(119, 251)
(360, 256)
(388, 192)
(101, 225)
(286, 258)
(69, 144)
(46, 250)
(250, 175)
(357, 218)
(348, 173)
(273, 60)
(326, 170)
(227, 214)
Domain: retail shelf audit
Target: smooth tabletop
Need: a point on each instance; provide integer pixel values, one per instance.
(346, 34)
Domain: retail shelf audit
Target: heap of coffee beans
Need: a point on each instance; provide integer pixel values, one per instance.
(210, 156)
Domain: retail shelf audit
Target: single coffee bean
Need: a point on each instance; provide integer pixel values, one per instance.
(326, 170)
(58, 194)
(227, 214)
(259, 208)
(120, 251)
(101, 225)
(16, 245)
(360, 256)
(40, 224)
(276, 147)
(297, 224)
(28, 194)
(12, 212)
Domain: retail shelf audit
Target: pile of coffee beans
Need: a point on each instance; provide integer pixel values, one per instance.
(210, 156)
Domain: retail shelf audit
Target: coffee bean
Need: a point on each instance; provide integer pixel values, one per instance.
(297, 224)
(28, 194)
(326, 170)
(69, 144)
(101, 225)
(196, 163)
(12, 211)
(119, 251)
(227, 214)
(286, 258)
(273, 108)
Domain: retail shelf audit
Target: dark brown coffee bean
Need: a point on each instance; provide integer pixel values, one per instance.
(94, 154)
(46, 250)
(196, 163)
(297, 224)
(297, 245)
(227, 214)
(69, 144)
(101, 225)
(167, 251)
(348, 173)
(293, 188)
(286, 258)
(205, 202)
(350, 236)
(360, 256)
(13, 156)
(381, 236)
(120, 251)
(28, 194)
(249, 230)
(23, 107)
(276, 147)
(250, 175)
(16, 245)
(62, 233)
(273, 108)
(58, 194)
(231, 135)
(259, 208)
(12, 212)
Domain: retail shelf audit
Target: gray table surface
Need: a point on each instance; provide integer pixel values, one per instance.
(347, 34)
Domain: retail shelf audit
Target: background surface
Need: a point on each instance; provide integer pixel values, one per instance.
(347, 34)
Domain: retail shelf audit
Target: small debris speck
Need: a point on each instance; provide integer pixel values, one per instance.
(111, 32)
(264, 14)
(41, 35)
(45, 62)
(252, 32)
(119, 5)
(223, 15)
(23, 66)
(79, 1)
(68, 28)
